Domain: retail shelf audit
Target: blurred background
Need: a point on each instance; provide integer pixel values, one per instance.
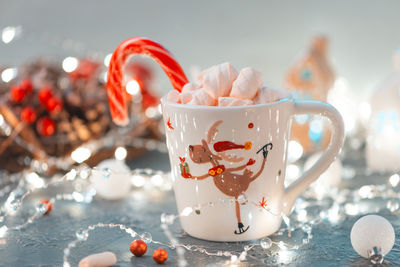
(54, 114)
(267, 35)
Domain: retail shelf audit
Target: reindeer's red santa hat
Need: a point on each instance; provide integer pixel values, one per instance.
(228, 145)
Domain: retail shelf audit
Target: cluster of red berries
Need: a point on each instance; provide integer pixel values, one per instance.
(21, 90)
(53, 104)
(139, 248)
(45, 125)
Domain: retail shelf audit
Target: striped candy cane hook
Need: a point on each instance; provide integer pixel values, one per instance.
(115, 86)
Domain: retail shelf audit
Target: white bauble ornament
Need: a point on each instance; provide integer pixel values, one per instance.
(331, 178)
(111, 179)
(372, 237)
(383, 142)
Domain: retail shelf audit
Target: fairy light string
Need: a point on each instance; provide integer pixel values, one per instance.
(298, 221)
(342, 203)
(20, 193)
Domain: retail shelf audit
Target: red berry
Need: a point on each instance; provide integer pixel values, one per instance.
(28, 115)
(160, 255)
(27, 86)
(17, 93)
(46, 126)
(138, 248)
(48, 204)
(54, 105)
(251, 125)
(44, 95)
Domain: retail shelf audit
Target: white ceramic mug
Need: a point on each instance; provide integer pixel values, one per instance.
(228, 165)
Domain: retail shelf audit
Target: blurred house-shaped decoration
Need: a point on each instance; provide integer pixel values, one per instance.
(383, 137)
(310, 78)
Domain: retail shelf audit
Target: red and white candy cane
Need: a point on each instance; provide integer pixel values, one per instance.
(115, 86)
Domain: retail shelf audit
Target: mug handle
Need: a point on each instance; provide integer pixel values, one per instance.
(293, 191)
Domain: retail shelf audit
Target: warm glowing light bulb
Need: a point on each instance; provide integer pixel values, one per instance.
(35, 180)
(133, 87)
(70, 64)
(71, 175)
(80, 154)
(120, 153)
(9, 74)
(295, 151)
(365, 191)
(107, 60)
(292, 172)
(8, 34)
(394, 180)
(186, 211)
(138, 181)
(157, 180)
(3, 231)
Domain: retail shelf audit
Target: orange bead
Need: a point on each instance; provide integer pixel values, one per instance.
(160, 255)
(48, 204)
(138, 248)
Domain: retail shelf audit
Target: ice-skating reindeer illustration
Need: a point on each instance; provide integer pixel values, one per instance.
(225, 179)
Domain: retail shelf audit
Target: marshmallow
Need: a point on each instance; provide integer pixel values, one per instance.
(217, 80)
(269, 95)
(200, 97)
(222, 85)
(186, 97)
(232, 101)
(247, 84)
(99, 260)
(173, 96)
(190, 87)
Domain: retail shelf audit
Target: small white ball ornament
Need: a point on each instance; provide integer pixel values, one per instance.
(111, 179)
(372, 237)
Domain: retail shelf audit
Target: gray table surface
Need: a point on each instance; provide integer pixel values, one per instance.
(42, 243)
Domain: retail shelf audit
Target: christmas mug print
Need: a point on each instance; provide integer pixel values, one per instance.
(228, 180)
(228, 165)
(233, 182)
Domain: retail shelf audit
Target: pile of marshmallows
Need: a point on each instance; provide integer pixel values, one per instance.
(222, 85)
